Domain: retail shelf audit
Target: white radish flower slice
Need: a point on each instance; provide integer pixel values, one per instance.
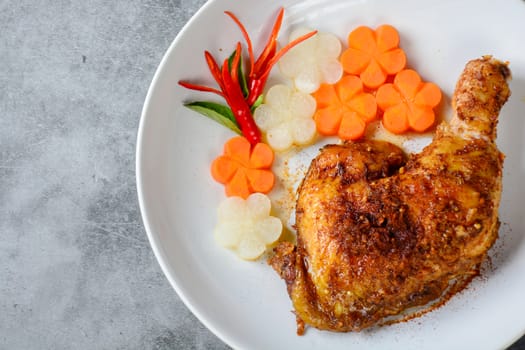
(246, 227)
(264, 117)
(312, 62)
(288, 64)
(226, 234)
(269, 229)
(308, 80)
(304, 134)
(230, 209)
(328, 45)
(331, 70)
(258, 206)
(279, 138)
(278, 96)
(302, 105)
(285, 117)
(250, 248)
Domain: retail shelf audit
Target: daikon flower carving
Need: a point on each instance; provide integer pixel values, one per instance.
(246, 226)
(285, 117)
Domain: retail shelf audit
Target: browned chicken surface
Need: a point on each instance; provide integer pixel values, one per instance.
(379, 233)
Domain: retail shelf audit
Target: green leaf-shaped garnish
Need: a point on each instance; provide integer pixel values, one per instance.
(218, 112)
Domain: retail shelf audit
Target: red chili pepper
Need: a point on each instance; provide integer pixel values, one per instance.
(235, 99)
(260, 69)
(246, 37)
(200, 88)
(234, 69)
(271, 46)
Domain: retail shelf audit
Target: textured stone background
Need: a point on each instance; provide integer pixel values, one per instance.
(76, 270)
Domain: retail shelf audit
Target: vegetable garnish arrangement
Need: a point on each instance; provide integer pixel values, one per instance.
(331, 91)
(243, 94)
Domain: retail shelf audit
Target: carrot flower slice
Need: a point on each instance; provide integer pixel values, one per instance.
(408, 103)
(344, 109)
(244, 169)
(373, 55)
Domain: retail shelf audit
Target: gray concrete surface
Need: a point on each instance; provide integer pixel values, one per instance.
(76, 270)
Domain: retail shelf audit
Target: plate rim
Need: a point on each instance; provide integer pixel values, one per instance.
(152, 238)
(155, 246)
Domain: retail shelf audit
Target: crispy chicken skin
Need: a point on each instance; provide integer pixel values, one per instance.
(379, 233)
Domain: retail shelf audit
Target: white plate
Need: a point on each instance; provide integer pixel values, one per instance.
(246, 304)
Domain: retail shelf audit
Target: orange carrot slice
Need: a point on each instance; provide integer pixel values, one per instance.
(395, 119)
(344, 109)
(260, 180)
(238, 185)
(354, 60)
(387, 96)
(428, 95)
(387, 38)
(348, 87)
(261, 157)
(373, 75)
(392, 61)
(408, 83)
(223, 169)
(421, 118)
(373, 55)
(408, 103)
(238, 148)
(363, 39)
(352, 126)
(243, 168)
(365, 105)
(325, 96)
(328, 120)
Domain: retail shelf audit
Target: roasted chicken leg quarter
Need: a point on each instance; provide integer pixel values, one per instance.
(379, 233)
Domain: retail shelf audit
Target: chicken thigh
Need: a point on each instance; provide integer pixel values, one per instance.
(380, 233)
